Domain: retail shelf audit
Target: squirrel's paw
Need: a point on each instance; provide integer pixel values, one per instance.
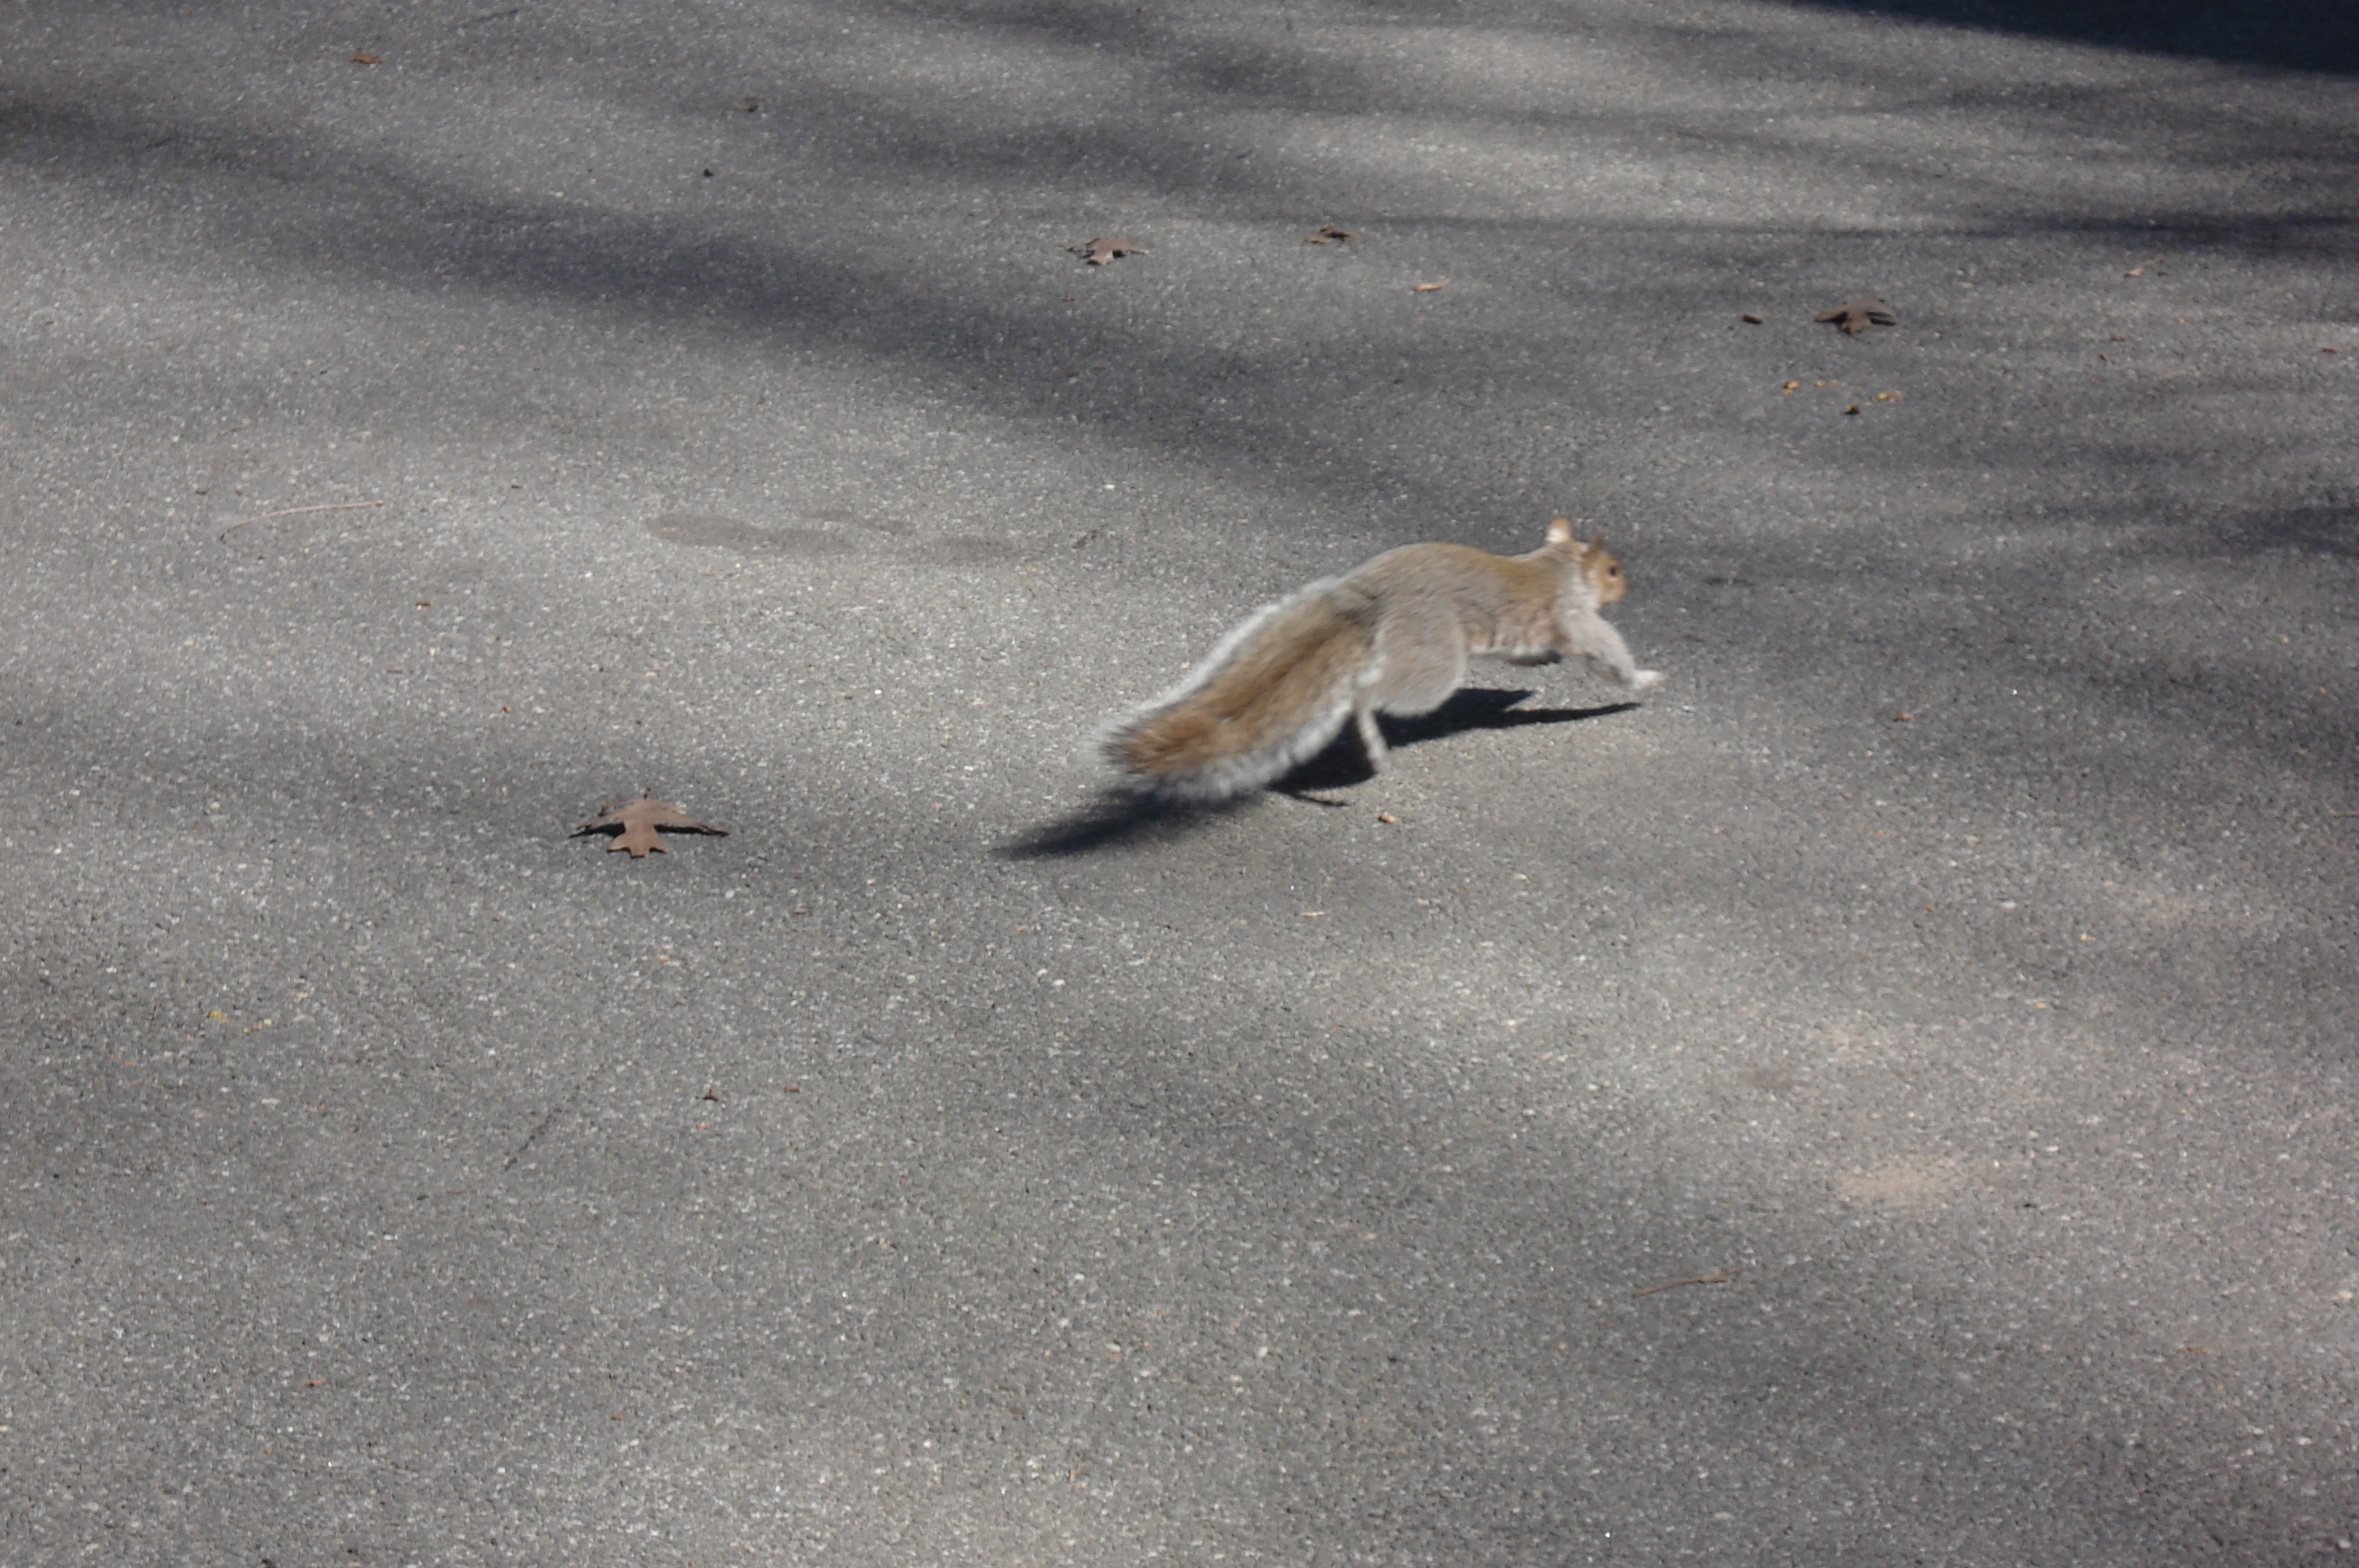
(1642, 678)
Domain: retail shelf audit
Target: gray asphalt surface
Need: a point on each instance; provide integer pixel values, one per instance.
(1888, 1099)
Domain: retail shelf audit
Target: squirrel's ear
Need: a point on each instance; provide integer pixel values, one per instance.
(1559, 530)
(1597, 542)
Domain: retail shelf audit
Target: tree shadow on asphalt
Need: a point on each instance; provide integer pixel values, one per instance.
(2292, 35)
(648, 268)
(1123, 819)
(2308, 531)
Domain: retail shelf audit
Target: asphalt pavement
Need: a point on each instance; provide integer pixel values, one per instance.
(1884, 1097)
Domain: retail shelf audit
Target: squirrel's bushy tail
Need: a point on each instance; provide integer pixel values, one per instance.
(1271, 695)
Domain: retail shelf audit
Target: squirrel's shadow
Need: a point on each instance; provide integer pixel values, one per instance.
(1474, 708)
(1118, 820)
(1122, 818)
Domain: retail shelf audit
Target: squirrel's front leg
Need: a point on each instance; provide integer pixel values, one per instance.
(1587, 634)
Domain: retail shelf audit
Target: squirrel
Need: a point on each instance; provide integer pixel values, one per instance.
(1392, 635)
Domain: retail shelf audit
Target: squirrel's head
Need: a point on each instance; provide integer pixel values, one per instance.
(1604, 572)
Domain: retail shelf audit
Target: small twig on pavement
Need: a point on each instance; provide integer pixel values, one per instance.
(299, 511)
(1722, 1278)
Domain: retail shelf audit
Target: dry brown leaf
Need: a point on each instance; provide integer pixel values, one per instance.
(1428, 288)
(634, 825)
(1855, 316)
(1749, 319)
(1097, 253)
(366, 58)
(1330, 234)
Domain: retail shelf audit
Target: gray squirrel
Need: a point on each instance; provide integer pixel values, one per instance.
(1392, 635)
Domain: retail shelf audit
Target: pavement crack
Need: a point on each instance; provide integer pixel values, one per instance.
(548, 1119)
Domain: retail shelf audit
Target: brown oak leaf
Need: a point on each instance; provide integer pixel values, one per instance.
(1097, 253)
(1330, 234)
(634, 825)
(1855, 316)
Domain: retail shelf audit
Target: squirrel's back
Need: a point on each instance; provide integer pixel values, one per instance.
(1466, 601)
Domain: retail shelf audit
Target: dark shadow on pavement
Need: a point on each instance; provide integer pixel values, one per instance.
(1481, 709)
(1342, 765)
(2315, 531)
(1122, 819)
(2292, 35)
(1119, 821)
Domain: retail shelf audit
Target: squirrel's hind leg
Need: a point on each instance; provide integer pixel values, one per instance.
(1372, 739)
